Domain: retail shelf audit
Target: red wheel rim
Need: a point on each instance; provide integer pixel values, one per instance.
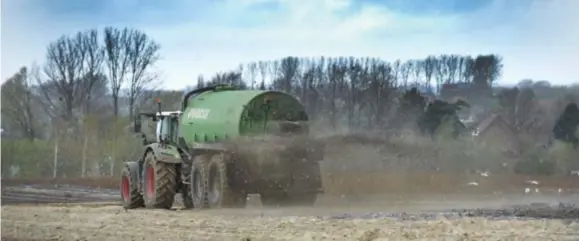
(125, 188)
(150, 182)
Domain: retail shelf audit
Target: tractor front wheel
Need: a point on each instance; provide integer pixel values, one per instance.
(159, 183)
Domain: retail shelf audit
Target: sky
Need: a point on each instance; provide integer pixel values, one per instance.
(537, 38)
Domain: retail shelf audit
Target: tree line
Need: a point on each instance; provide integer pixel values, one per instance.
(365, 87)
(79, 103)
(89, 83)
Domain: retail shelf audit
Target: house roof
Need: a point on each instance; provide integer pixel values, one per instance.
(487, 122)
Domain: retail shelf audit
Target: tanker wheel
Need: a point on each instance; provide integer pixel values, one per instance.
(197, 187)
(281, 199)
(220, 193)
(131, 198)
(160, 183)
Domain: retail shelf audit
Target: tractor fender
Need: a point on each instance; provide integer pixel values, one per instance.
(133, 170)
(164, 153)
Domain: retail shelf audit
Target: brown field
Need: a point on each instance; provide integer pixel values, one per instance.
(108, 221)
(77, 222)
(380, 183)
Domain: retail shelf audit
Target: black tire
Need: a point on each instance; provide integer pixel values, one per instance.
(280, 199)
(198, 183)
(131, 198)
(220, 194)
(159, 183)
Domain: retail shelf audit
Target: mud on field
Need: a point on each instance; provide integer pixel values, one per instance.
(334, 218)
(77, 222)
(418, 205)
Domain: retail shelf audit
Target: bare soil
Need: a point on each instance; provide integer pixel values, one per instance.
(79, 222)
(534, 216)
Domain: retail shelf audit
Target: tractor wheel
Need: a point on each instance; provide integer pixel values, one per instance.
(160, 183)
(131, 198)
(220, 193)
(281, 199)
(198, 183)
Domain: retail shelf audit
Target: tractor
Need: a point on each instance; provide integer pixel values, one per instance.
(223, 144)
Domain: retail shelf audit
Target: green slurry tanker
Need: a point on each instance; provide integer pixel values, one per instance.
(222, 145)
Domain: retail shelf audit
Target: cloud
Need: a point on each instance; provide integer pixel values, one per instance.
(536, 38)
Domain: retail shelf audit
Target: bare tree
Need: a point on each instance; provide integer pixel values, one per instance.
(288, 70)
(405, 70)
(251, 72)
(17, 101)
(93, 57)
(200, 81)
(429, 66)
(417, 70)
(466, 69)
(65, 66)
(230, 78)
(485, 70)
(142, 53)
(439, 71)
(117, 59)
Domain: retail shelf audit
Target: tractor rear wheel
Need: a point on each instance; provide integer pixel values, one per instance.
(220, 193)
(131, 198)
(159, 183)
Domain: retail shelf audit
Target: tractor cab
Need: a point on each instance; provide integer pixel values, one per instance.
(167, 125)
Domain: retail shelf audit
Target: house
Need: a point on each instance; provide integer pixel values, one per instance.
(495, 132)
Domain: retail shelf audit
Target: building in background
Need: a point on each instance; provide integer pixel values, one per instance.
(495, 132)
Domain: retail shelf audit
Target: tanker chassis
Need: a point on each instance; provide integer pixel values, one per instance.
(222, 145)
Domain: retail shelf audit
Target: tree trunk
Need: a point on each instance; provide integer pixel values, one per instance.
(84, 156)
(131, 108)
(116, 106)
(55, 161)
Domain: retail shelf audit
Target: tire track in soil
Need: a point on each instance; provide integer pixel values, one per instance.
(77, 222)
(42, 194)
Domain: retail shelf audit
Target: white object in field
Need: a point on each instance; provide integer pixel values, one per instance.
(472, 184)
(533, 182)
(559, 190)
(536, 190)
(484, 174)
(527, 190)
